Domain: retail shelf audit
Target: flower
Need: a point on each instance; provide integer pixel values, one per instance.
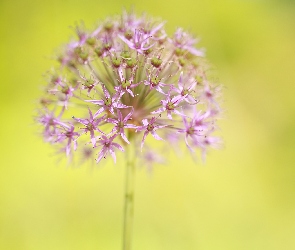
(67, 133)
(109, 103)
(127, 78)
(186, 92)
(91, 125)
(170, 105)
(108, 146)
(150, 127)
(121, 124)
(185, 42)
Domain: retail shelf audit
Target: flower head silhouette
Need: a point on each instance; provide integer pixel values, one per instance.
(129, 77)
(125, 80)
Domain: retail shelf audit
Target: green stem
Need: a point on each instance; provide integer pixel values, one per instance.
(129, 194)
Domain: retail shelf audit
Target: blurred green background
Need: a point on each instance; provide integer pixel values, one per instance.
(242, 198)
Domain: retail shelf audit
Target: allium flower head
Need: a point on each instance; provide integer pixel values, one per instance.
(127, 78)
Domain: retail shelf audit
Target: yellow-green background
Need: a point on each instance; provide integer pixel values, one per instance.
(242, 198)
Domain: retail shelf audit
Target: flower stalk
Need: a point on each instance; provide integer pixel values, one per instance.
(129, 192)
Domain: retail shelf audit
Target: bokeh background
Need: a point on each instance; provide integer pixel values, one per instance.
(242, 198)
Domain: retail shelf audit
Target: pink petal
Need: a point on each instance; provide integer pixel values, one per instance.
(160, 110)
(112, 154)
(118, 146)
(180, 78)
(83, 121)
(106, 92)
(90, 114)
(130, 92)
(113, 121)
(101, 154)
(130, 44)
(124, 137)
(119, 115)
(121, 75)
(178, 113)
(122, 106)
(143, 138)
(99, 112)
(157, 28)
(93, 140)
(156, 136)
(97, 102)
(194, 51)
(145, 122)
(160, 90)
(128, 116)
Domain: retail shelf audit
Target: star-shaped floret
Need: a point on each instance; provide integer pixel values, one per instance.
(170, 105)
(184, 41)
(109, 103)
(68, 133)
(150, 127)
(139, 41)
(65, 92)
(121, 123)
(108, 146)
(89, 84)
(155, 82)
(190, 130)
(51, 123)
(126, 85)
(184, 91)
(91, 124)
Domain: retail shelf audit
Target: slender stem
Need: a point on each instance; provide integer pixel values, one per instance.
(129, 193)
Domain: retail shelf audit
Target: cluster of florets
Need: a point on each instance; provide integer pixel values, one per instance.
(128, 79)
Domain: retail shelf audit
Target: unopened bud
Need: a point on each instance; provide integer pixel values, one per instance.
(156, 62)
(116, 62)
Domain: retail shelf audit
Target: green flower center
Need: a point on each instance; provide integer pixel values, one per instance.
(190, 131)
(65, 90)
(155, 81)
(120, 125)
(51, 122)
(90, 126)
(68, 134)
(150, 127)
(89, 83)
(107, 46)
(170, 106)
(108, 102)
(184, 92)
(126, 84)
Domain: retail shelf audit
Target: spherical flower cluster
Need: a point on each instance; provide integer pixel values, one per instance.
(127, 79)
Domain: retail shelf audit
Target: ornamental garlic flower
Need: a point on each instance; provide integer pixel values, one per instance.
(127, 79)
